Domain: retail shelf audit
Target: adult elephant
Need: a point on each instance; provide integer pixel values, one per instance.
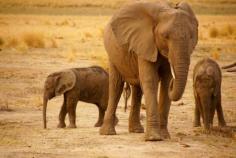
(147, 42)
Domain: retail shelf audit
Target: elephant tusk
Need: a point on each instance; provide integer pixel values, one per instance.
(172, 71)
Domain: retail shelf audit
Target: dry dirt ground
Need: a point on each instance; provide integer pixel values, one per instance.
(76, 41)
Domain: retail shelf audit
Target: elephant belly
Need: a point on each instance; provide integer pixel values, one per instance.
(127, 66)
(126, 62)
(90, 96)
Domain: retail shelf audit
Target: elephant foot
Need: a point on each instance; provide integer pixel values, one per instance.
(196, 124)
(222, 124)
(138, 128)
(206, 131)
(72, 126)
(107, 129)
(61, 125)
(98, 124)
(116, 120)
(164, 133)
(152, 135)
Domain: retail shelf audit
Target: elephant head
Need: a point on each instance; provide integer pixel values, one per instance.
(56, 84)
(153, 29)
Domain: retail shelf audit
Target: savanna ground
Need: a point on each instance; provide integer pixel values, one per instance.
(40, 37)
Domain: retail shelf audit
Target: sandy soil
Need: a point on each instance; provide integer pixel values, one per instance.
(22, 73)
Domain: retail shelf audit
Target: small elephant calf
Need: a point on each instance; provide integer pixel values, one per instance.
(207, 93)
(85, 84)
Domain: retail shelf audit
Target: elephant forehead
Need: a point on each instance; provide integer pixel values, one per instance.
(210, 71)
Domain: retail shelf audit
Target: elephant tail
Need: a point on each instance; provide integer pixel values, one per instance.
(45, 102)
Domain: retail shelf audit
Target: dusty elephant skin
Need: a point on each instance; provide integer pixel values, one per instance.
(85, 84)
(148, 43)
(207, 93)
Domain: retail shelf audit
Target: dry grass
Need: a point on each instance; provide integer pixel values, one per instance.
(222, 31)
(88, 35)
(215, 55)
(1, 41)
(71, 55)
(101, 32)
(12, 42)
(37, 101)
(54, 43)
(213, 32)
(5, 107)
(23, 41)
(228, 30)
(34, 39)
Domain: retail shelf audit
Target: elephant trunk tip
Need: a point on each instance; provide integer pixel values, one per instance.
(172, 93)
(45, 101)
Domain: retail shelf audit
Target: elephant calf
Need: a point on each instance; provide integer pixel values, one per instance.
(85, 84)
(207, 93)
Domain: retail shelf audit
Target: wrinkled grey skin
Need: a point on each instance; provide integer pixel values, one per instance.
(207, 93)
(85, 84)
(149, 43)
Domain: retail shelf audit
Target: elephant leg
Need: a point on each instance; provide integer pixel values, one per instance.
(71, 108)
(115, 89)
(212, 110)
(62, 115)
(197, 121)
(149, 81)
(221, 120)
(164, 104)
(134, 117)
(100, 117)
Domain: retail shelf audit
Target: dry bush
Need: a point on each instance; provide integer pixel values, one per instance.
(224, 31)
(47, 22)
(71, 55)
(215, 55)
(1, 41)
(230, 29)
(63, 23)
(17, 44)
(82, 40)
(88, 35)
(22, 47)
(101, 32)
(213, 32)
(34, 39)
(227, 30)
(5, 107)
(54, 43)
(37, 101)
(12, 42)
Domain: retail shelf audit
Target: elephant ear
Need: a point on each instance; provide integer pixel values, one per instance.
(133, 27)
(66, 81)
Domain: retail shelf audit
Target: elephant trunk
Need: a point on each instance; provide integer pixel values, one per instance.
(45, 102)
(206, 103)
(206, 114)
(179, 63)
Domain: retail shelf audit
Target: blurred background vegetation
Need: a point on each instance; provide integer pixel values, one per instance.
(103, 7)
